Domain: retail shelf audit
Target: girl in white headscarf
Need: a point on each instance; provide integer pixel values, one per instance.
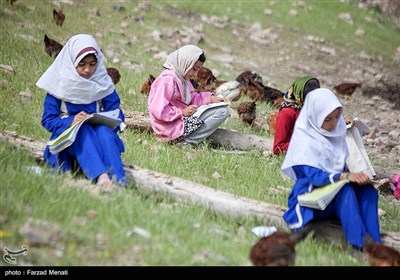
(77, 84)
(316, 157)
(173, 101)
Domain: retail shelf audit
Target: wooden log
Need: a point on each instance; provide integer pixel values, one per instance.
(221, 137)
(217, 201)
(137, 120)
(231, 139)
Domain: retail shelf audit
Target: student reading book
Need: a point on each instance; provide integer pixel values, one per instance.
(77, 85)
(173, 101)
(65, 139)
(316, 157)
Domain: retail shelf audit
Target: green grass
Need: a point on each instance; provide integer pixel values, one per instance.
(95, 229)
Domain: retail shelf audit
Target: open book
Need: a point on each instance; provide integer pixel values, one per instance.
(201, 109)
(358, 160)
(319, 198)
(361, 126)
(65, 139)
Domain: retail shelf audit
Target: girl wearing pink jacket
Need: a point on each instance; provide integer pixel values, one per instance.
(173, 101)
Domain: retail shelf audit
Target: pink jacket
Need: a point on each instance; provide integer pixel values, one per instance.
(165, 104)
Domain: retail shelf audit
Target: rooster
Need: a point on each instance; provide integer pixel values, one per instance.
(277, 249)
(379, 254)
(145, 89)
(346, 89)
(247, 112)
(114, 74)
(58, 17)
(51, 47)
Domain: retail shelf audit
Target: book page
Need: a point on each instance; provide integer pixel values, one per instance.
(201, 109)
(358, 160)
(361, 126)
(109, 118)
(320, 197)
(65, 139)
(114, 114)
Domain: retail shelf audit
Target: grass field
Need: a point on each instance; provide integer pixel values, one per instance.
(134, 228)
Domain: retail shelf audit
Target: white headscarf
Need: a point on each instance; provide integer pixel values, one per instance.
(63, 81)
(310, 144)
(181, 61)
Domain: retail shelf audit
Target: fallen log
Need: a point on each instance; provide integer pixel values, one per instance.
(223, 203)
(231, 139)
(221, 137)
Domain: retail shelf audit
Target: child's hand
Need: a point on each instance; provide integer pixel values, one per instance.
(189, 110)
(215, 99)
(349, 121)
(359, 178)
(78, 117)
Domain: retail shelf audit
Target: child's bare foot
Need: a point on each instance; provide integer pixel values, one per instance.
(107, 185)
(104, 180)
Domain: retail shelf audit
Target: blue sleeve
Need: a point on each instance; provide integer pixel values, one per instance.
(112, 102)
(51, 119)
(317, 177)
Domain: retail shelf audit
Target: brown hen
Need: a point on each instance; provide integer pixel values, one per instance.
(51, 47)
(277, 249)
(205, 80)
(251, 84)
(271, 120)
(114, 74)
(145, 89)
(379, 254)
(58, 17)
(247, 112)
(346, 89)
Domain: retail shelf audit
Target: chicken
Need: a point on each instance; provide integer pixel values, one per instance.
(205, 80)
(145, 89)
(58, 17)
(251, 84)
(11, 1)
(346, 89)
(114, 74)
(229, 90)
(271, 119)
(51, 47)
(247, 112)
(379, 254)
(273, 96)
(277, 249)
(247, 76)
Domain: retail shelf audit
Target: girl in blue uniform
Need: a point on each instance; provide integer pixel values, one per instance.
(77, 84)
(316, 157)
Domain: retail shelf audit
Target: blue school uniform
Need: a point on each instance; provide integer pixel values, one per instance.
(354, 206)
(97, 149)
